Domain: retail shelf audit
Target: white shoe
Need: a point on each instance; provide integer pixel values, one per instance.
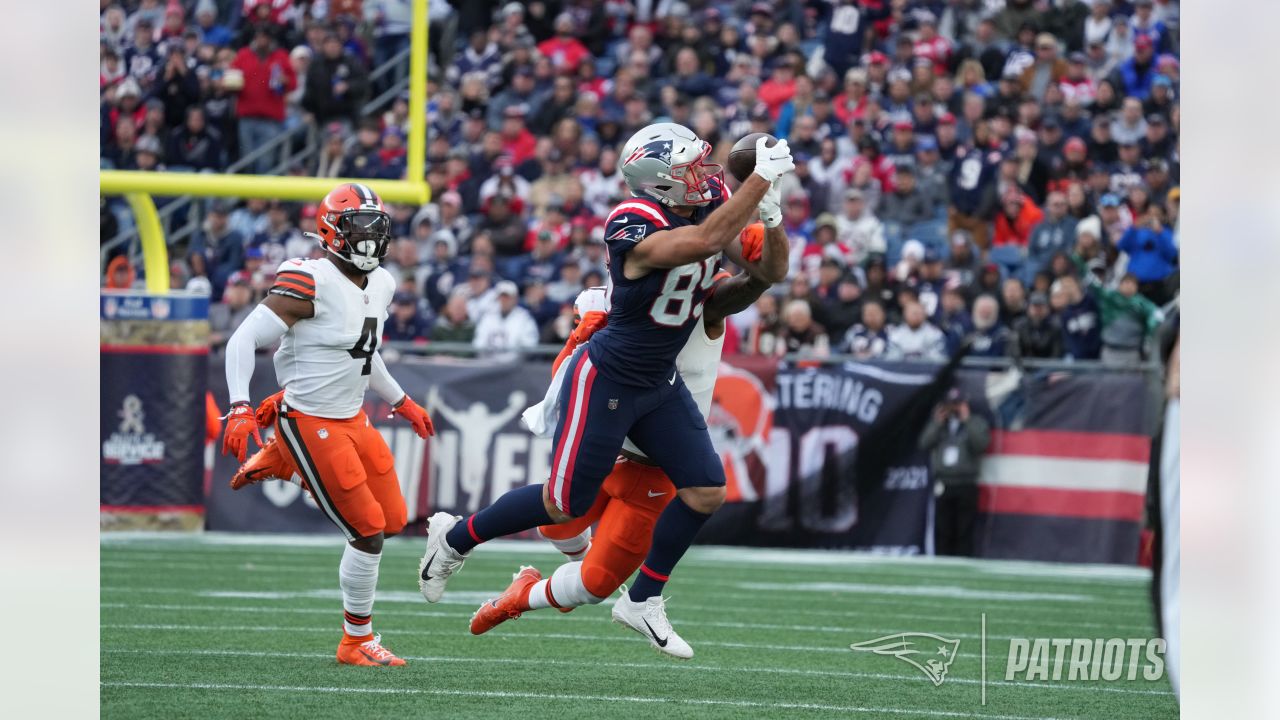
(440, 561)
(649, 618)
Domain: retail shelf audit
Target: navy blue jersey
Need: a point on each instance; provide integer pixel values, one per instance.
(970, 177)
(650, 318)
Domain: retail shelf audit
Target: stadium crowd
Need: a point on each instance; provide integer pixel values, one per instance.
(1004, 171)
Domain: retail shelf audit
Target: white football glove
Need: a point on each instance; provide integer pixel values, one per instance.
(771, 207)
(773, 162)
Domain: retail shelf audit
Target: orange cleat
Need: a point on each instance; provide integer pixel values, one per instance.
(269, 463)
(510, 605)
(364, 651)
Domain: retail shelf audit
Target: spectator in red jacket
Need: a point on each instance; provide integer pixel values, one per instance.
(268, 77)
(1017, 216)
(517, 141)
(780, 87)
(564, 50)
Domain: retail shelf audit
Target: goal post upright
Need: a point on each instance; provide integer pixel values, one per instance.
(138, 186)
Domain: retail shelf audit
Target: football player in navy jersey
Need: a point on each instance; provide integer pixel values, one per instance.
(664, 244)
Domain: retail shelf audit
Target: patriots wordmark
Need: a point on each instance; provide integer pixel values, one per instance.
(928, 653)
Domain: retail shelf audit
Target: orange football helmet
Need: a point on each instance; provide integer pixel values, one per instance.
(354, 225)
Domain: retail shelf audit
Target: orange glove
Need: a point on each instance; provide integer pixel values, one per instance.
(240, 422)
(413, 412)
(268, 410)
(587, 326)
(752, 238)
(590, 323)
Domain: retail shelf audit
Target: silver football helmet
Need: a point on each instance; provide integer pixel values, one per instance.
(659, 161)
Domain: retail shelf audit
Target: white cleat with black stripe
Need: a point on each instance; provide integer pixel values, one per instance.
(440, 561)
(649, 618)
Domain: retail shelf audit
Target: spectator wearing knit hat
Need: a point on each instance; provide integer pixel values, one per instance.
(1038, 334)
(337, 83)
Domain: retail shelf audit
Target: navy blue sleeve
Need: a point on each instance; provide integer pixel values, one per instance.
(625, 229)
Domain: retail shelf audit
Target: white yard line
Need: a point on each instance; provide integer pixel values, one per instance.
(709, 554)
(561, 696)
(678, 667)
(1034, 615)
(865, 588)
(941, 591)
(843, 631)
(989, 574)
(843, 649)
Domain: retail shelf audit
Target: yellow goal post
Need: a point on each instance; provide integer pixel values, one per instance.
(137, 186)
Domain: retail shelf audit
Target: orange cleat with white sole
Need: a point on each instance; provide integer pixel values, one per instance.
(511, 604)
(366, 651)
(269, 463)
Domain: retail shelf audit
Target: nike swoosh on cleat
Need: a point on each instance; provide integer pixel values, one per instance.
(254, 474)
(373, 659)
(662, 642)
(654, 494)
(426, 577)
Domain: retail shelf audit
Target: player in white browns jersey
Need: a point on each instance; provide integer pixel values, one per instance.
(330, 312)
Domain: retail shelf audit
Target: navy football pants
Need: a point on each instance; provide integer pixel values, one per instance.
(597, 414)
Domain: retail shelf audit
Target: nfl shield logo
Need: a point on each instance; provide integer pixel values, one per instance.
(613, 403)
(322, 433)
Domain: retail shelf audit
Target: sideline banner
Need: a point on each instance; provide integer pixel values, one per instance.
(480, 450)
(813, 456)
(154, 366)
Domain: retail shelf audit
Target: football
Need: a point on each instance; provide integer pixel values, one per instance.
(742, 157)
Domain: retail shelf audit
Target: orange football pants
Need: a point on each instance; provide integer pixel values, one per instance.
(627, 508)
(349, 469)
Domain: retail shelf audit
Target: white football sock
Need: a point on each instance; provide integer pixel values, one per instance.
(538, 595)
(575, 547)
(358, 576)
(566, 588)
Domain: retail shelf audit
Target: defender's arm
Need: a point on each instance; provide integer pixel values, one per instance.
(731, 296)
(265, 325)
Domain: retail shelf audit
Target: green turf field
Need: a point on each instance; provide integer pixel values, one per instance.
(245, 627)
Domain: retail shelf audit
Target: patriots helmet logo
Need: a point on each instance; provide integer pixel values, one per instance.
(926, 652)
(660, 149)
